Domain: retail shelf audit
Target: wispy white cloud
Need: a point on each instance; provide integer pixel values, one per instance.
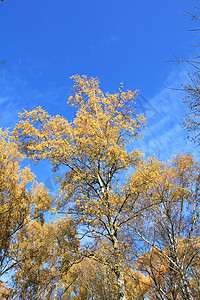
(166, 136)
(17, 93)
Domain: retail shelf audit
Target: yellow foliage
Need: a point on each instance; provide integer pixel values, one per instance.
(18, 203)
(94, 191)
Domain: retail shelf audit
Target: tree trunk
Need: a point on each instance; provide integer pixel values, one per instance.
(118, 268)
(121, 285)
(187, 291)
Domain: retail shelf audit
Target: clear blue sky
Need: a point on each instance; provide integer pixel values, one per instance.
(45, 42)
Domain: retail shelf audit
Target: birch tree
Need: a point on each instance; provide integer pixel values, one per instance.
(171, 230)
(46, 253)
(93, 148)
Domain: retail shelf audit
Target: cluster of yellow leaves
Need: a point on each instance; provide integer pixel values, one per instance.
(156, 180)
(45, 253)
(18, 203)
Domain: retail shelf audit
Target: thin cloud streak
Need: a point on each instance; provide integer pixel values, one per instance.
(165, 135)
(16, 95)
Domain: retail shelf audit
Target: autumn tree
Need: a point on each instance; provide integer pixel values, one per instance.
(170, 230)
(93, 150)
(35, 256)
(18, 202)
(46, 253)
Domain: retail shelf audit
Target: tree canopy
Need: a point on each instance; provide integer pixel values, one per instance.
(139, 230)
(18, 204)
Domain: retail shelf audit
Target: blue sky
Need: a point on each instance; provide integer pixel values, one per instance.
(46, 42)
